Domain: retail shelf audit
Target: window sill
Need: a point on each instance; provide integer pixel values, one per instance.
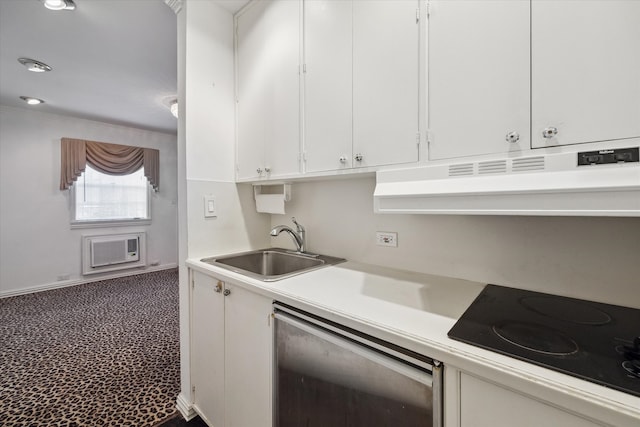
(110, 223)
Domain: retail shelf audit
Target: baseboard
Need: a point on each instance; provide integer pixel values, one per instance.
(82, 281)
(185, 407)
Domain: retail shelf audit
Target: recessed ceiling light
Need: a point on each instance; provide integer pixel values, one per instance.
(59, 4)
(33, 65)
(32, 101)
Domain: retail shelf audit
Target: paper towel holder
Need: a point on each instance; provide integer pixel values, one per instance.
(270, 198)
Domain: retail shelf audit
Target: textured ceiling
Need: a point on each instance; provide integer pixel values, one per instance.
(113, 61)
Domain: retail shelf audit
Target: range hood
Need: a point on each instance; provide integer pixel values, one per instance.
(562, 184)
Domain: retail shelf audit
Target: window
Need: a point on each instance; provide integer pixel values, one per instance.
(99, 197)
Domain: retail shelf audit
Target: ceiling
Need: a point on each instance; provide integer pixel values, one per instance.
(113, 61)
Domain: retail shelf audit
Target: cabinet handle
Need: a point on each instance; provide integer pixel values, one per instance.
(359, 157)
(343, 160)
(549, 132)
(513, 137)
(227, 292)
(219, 287)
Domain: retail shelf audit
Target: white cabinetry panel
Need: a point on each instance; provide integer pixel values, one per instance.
(385, 81)
(483, 404)
(362, 78)
(328, 99)
(268, 104)
(248, 350)
(478, 77)
(586, 70)
(231, 348)
(207, 353)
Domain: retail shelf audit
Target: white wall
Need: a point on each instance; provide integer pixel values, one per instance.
(206, 139)
(210, 138)
(590, 258)
(37, 244)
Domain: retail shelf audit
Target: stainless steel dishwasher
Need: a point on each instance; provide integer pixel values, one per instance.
(327, 375)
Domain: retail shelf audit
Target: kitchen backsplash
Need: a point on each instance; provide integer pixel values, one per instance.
(581, 257)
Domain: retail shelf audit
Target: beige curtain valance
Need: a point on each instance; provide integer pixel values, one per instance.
(112, 159)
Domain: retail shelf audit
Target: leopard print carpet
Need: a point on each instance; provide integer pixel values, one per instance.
(99, 354)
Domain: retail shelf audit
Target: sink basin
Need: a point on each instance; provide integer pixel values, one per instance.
(272, 264)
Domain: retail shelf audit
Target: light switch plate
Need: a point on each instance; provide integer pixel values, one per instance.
(210, 206)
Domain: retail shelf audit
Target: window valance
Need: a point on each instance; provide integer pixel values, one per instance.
(112, 159)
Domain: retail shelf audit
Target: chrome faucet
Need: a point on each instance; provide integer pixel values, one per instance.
(298, 236)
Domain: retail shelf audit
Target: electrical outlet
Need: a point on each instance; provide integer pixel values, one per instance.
(387, 238)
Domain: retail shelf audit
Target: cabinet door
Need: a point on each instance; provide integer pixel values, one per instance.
(327, 84)
(268, 60)
(252, 81)
(248, 350)
(483, 404)
(207, 348)
(386, 35)
(478, 77)
(585, 70)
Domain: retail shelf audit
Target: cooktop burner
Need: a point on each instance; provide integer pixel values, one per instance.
(593, 341)
(536, 338)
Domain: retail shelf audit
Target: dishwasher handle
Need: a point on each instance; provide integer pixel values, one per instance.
(374, 356)
(438, 398)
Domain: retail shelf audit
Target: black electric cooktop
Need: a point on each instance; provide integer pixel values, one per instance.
(593, 341)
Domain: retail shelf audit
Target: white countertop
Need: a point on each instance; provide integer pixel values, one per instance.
(416, 311)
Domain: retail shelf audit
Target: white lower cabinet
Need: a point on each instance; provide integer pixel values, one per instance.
(483, 404)
(231, 348)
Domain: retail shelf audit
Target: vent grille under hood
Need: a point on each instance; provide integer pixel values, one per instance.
(551, 185)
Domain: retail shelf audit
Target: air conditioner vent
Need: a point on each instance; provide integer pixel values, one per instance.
(528, 164)
(113, 252)
(496, 166)
(461, 169)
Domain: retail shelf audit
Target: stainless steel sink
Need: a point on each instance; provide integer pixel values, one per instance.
(272, 264)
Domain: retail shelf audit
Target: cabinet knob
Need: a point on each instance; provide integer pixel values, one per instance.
(513, 137)
(259, 170)
(219, 287)
(227, 292)
(343, 160)
(359, 157)
(549, 132)
(267, 169)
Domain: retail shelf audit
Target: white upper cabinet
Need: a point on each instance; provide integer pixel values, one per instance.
(328, 50)
(362, 82)
(513, 75)
(386, 82)
(478, 77)
(585, 71)
(268, 89)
